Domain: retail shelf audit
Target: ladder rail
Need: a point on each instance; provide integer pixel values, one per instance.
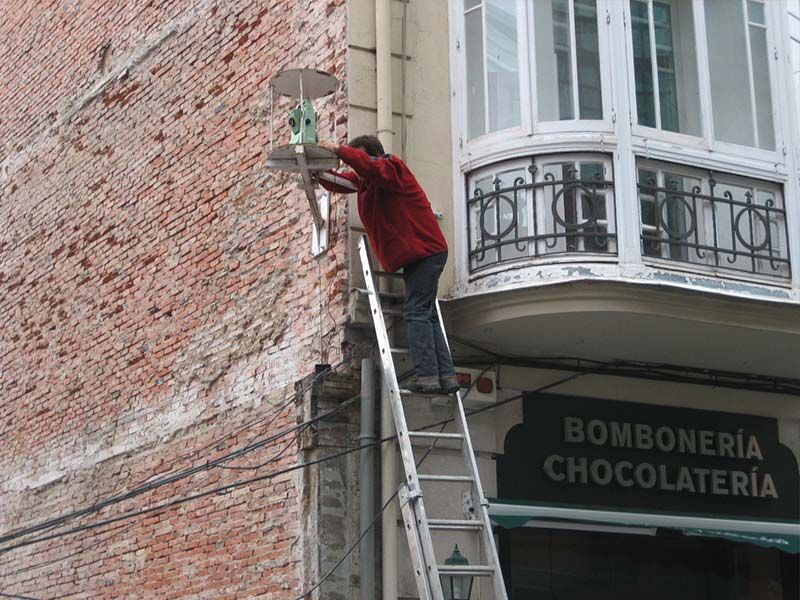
(482, 509)
(417, 532)
(418, 527)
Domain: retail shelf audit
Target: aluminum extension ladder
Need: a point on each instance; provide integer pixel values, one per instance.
(419, 528)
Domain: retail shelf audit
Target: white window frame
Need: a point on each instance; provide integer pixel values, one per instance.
(491, 139)
(510, 142)
(673, 146)
(584, 125)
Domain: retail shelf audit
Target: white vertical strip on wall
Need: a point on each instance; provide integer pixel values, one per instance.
(626, 196)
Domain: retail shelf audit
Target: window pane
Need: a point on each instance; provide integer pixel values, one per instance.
(558, 57)
(553, 60)
(588, 57)
(471, 4)
(501, 64)
(675, 64)
(642, 64)
(476, 106)
(755, 12)
(665, 61)
(728, 65)
(763, 95)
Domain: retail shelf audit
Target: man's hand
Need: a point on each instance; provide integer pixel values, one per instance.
(333, 147)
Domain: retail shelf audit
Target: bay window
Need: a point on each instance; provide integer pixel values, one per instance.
(563, 43)
(794, 54)
(700, 75)
(721, 221)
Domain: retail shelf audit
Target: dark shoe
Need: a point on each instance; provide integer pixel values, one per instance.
(426, 384)
(449, 384)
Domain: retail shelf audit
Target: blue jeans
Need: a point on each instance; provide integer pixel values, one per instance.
(425, 338)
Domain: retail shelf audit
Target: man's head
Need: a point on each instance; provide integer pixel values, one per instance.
(369, 144)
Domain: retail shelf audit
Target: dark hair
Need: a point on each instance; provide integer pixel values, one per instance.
(369, 143)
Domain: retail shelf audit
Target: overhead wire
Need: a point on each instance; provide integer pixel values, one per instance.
(232, 486)
(98, 505)
(297, 428)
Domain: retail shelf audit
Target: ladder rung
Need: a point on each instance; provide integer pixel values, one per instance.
(397, 312)
(454, 524)
(384, 295)
(387, 274)
(399, 350)
(475, 570)
(436, 435)
(429, 477)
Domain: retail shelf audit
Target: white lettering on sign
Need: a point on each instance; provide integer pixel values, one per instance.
(666, 440)
(641, 436)
(644, 475)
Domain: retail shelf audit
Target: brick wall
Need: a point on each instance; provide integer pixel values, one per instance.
(158, 296)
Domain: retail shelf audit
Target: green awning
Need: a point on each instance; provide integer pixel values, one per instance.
(784, 535)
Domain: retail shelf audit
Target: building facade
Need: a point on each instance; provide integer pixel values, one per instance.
(619, 192)
(618, 183)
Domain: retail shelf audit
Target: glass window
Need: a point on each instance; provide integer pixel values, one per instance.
(665, 65)
(738, 58)
(567, 60)
(493, 86)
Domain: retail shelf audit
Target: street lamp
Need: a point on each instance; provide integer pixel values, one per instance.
(456, 587)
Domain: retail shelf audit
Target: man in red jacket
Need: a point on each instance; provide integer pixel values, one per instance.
(405, 234)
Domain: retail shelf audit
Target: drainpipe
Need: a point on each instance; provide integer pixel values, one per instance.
(388, 488)
(383, 84)
(366, 465)
(383, 70)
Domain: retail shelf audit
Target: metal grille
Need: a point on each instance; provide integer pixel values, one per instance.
(724, 222)
(555, 205)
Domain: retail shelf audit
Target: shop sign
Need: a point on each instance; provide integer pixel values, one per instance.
(637, 456)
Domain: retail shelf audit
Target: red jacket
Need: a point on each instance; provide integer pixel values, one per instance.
(393, 207)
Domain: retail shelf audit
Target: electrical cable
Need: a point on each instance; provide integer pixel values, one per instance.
(173, 477)
(232, 486)
(165, 505)
(271, 417)
(244, 482)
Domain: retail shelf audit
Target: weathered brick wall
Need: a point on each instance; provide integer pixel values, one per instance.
(157, 293)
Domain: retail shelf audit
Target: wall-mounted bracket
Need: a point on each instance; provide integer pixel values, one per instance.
(305, 159)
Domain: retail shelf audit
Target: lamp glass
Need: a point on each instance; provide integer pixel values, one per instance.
(456, 587)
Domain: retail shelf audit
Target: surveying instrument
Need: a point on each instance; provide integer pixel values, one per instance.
(302, 154)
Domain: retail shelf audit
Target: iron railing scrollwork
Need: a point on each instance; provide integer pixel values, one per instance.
(544, 215)
(700, 226)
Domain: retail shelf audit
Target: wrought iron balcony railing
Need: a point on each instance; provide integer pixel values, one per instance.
(547, 206)
(722, 222)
